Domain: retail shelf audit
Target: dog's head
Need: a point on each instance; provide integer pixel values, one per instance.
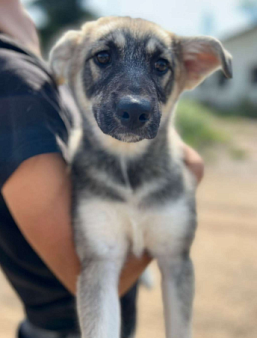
(127, 73)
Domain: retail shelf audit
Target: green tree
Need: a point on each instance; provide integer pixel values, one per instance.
(60, 15)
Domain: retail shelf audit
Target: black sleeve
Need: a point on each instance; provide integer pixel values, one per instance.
(30, 112)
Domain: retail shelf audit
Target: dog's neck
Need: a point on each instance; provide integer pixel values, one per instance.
(149, 160)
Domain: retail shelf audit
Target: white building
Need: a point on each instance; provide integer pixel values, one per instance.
(223, 93)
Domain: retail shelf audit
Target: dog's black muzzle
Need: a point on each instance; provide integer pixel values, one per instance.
(129, 118)
(133, 112)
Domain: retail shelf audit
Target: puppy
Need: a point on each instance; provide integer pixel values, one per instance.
(132, 191)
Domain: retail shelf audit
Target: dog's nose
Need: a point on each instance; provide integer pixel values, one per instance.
(133, 112)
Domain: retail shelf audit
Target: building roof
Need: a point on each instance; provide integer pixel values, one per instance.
(241, 33)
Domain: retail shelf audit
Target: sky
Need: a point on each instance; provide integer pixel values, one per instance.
(220, 18)
(185, 17)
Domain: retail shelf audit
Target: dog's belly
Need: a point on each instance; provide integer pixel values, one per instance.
(107, 228)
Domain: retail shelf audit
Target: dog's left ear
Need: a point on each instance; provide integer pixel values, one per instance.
(201, 57)
(61, 54)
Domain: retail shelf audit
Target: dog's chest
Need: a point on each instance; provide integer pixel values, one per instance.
(106, 225)
(145, 203)
(144, 214)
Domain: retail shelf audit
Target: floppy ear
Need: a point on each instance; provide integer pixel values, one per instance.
(201, 57)
(61, 54)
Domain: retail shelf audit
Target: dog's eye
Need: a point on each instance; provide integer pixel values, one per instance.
(103, 58)
(161, 66)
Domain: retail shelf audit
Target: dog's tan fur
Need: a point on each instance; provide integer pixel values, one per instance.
(67, 61)
(152, 207)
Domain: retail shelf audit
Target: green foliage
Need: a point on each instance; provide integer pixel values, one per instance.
(244, 109)
(237, 154)
(60, 14)
(197, 125)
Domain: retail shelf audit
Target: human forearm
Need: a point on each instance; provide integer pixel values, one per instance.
(38, 195)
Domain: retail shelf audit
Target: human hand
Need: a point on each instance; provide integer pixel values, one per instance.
(194, 162)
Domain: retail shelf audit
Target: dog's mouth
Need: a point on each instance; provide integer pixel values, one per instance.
(127, 137)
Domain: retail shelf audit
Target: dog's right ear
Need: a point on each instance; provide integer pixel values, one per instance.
(61, 53)
(201, 57)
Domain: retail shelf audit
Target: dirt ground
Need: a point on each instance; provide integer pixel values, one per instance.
(224, 254)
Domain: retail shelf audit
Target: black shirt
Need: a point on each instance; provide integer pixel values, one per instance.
(34, 117)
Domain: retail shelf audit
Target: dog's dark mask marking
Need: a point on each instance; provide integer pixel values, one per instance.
(131, 84)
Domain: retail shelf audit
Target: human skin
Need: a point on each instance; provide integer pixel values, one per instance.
(38, 193)
(15, 22)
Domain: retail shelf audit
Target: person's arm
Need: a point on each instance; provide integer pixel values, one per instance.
(38, 194)
(15, 22)
(38, 197)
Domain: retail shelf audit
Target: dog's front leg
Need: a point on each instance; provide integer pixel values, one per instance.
(97, 299)
(177, 291)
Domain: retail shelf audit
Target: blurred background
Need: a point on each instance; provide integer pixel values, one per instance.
(219, 119)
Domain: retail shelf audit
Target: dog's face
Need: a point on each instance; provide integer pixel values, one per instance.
(128, 73)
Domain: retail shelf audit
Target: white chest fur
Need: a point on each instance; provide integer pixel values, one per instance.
(111, 227)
